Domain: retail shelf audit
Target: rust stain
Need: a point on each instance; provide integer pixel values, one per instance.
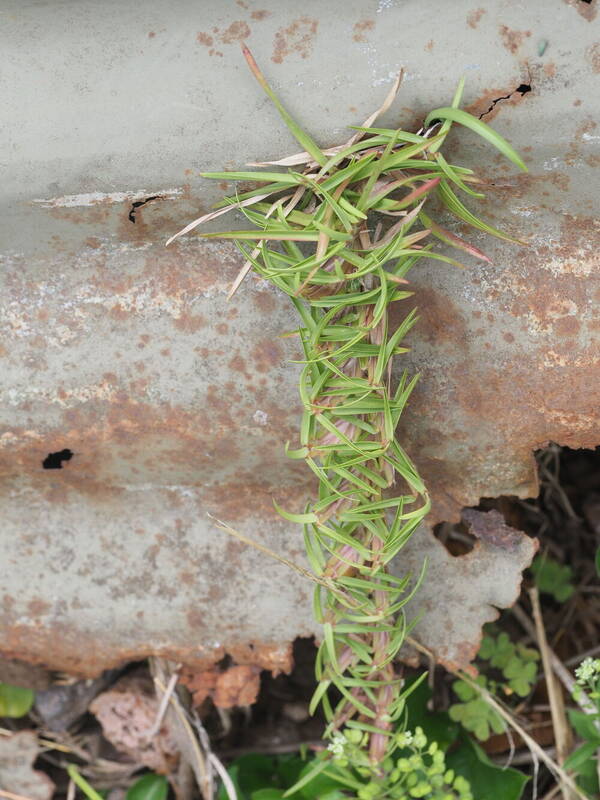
(474, 17)
(593, 56)
(441, 320)
(234, 686)
(490, 527)
(189, 323)
(483, 104)
(512, 39)
(298, 37)
(236, 32)
(587, 10)
(260, 14)
(267, 354)
(583, 130)
(429, 46)
(361, 28)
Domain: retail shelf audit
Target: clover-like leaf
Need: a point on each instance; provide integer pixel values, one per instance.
(553, 578)
(478, 717)
(503, 652)
(487, 648)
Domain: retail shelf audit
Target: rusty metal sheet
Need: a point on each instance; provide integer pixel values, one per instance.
(176, 403)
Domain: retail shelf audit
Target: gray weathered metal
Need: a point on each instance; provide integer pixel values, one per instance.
(176, 403)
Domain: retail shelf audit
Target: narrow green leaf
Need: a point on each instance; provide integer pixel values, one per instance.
(303, 138)
(479, 127)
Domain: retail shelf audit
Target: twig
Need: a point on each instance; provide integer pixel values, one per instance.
(227, 782)
(525, 757)
(555, 768)
(562, 732)
(586, 654)
(162, 710)
(202, 770)
(552, 793)
(562, 673)
(274, 749)
(214, 760)
(328, 584)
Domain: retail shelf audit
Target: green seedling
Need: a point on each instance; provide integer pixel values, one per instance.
(553, 578)
(518, 667)
(15, 701)
(584, 760)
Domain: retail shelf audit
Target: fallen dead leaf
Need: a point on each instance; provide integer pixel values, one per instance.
(17, 754)
(127, 713)
(235, 686)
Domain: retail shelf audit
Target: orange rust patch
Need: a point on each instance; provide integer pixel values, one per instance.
(260, 14)
(239, 365)
(204, 38)
(593, 56)
(297, 38)
(361, 28)
(265, 302)
(236, 32)
(574, 151)
(36, 607)
(441, 321)
(267, 355)
(429, 46)
(482, 105)
(474, 17)
(587, 10)
(512, 39)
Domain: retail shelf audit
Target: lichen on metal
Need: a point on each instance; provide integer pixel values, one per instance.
(128, 354)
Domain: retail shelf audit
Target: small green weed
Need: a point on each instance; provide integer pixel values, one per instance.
(149, 787)
(518, 666)
(15, 701)
(438, 760)
(553, 578)
(584, 760)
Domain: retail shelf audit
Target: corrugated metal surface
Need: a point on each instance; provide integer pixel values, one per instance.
(176, 403)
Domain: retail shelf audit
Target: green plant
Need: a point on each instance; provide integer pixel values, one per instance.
(552, 578)
(81, 782)
(260, 777)
(15, 701)
(149, 787)
(317, 235)
(518, 666)
(473, 713)
(584, 760)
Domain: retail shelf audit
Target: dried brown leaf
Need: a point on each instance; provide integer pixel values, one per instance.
(17, 754)
(127, 713)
